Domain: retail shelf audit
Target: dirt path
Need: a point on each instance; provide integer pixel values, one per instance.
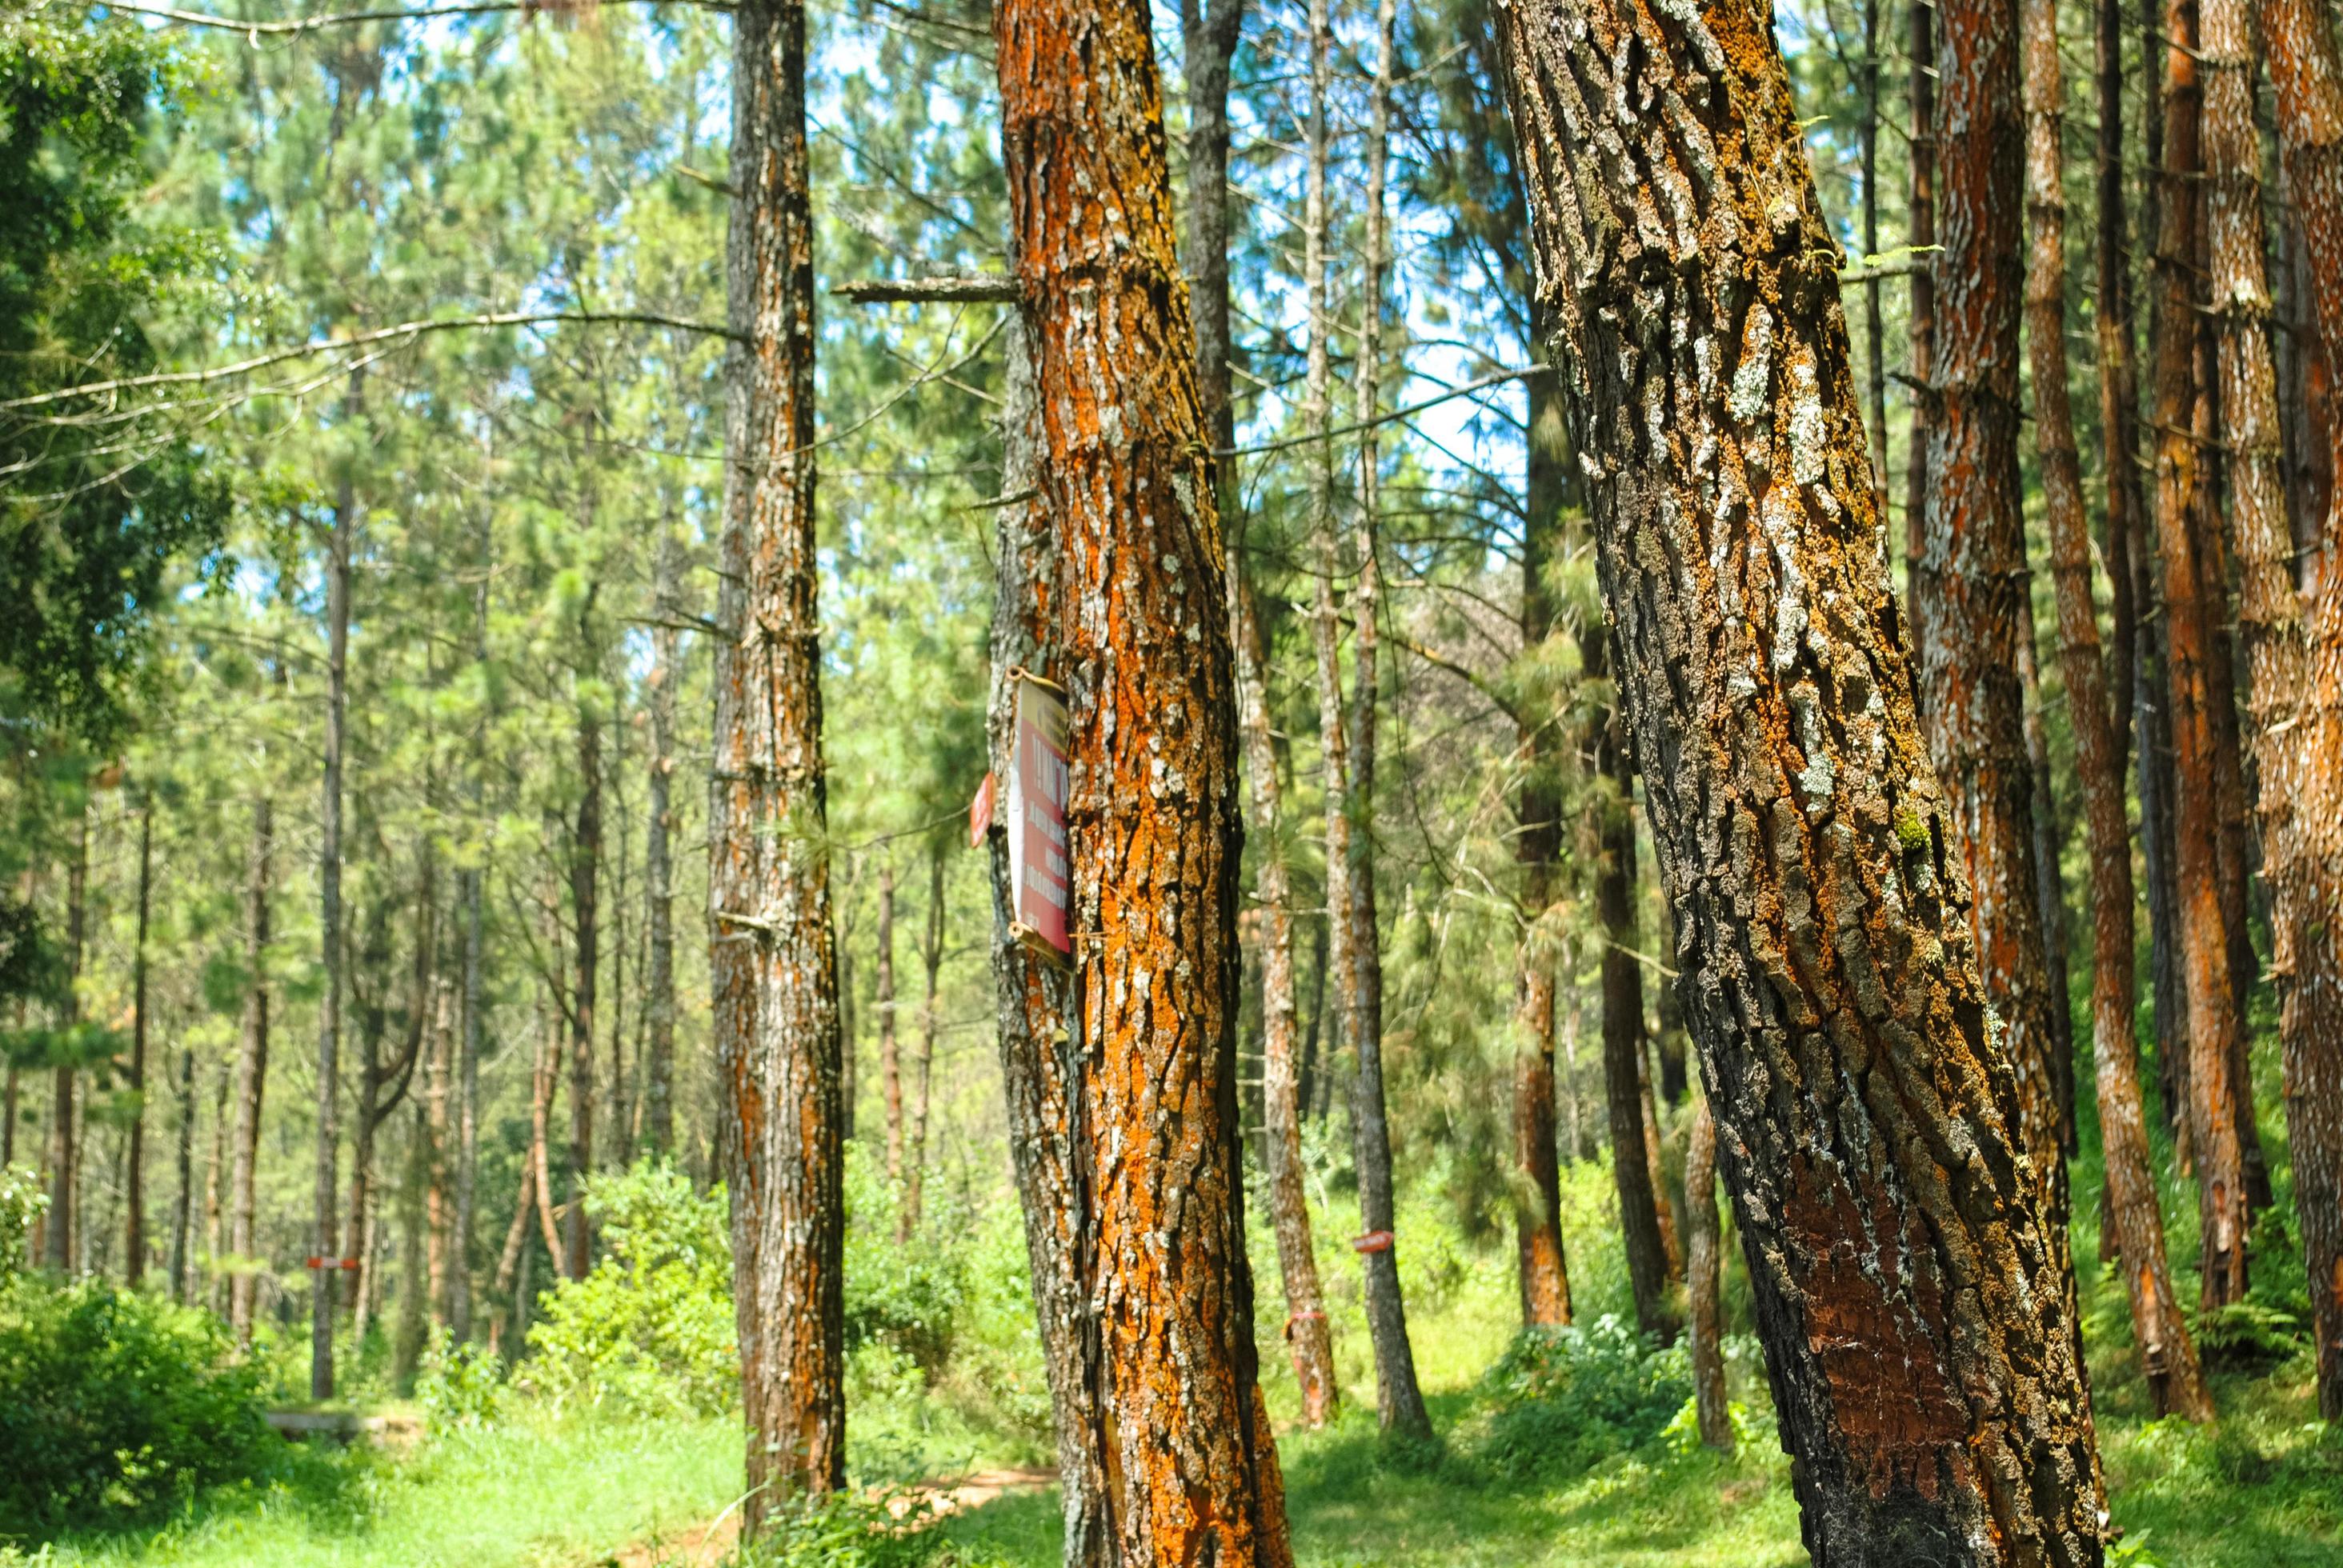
(706, 1545)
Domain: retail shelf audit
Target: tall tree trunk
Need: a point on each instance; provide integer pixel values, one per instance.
(1210, 33)
(134, 1222)
(1399, 1401)
(1970, 592)
(1704, 1270)
(890, 1053)
(1125, 474)
(1920, 239)
(1611, 798)
(64, 1153)
(468, 1071)
(369, 991)
(1906, 1282)
(2302, 774)
(658, 873)
(251, 1077)
(182, 1205)
(432, 1127)
(2118, 386)
(585, 874)
(2204, 932)
(915, 1136)
(1663, 1207)
(1041, 1054)
(773, 956)
(1874, 380)
(2050, 882)
(325, 1275)
(2168, 1355)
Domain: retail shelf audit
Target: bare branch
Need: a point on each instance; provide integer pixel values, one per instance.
(294, 26)
(958, 287)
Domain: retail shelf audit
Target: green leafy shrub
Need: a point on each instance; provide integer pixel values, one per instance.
(21, 1203)
(458, 1386)
(844, 1530)
(116, 1408)
(650, 1329)
(1566, 1398)
(907, 1297)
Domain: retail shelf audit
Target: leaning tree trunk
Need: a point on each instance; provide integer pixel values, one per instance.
(2179, 474)
(2168, 1355)
(1125, 476)
(2302, 776)
(1970, 590)
(773, 954)
(1920, 1347)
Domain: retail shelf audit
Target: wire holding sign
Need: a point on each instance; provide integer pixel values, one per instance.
(1036, 817)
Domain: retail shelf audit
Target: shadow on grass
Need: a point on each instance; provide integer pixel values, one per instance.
(328, 1489)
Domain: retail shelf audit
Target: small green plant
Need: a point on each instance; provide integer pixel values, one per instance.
(650, 1329)
(116, 1408)
(1566, 1398)
(868, 1529)
(458, 1386)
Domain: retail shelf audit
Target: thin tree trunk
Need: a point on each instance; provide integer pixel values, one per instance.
(891, 1053)
(1125, 476)
(1579, 1128)
(515, 1239)
(2049, 883)
(251, 1077)
(773, 950)
(1972, 585)
(64, 1154)
(1611, 796)
(1663, 1207)
(134, 1223)
(1703, 1278)
(1833, 982)
(544, 1082)
(2204, 933)
(468, 1071)
(915, 1136)
(2118, 386)
(2302, 773)
(1399, 1401)
(1874, 326)
(658, 873)
(183, 1206)
(434, 1128)
(2168, 1355)
(585, 873)
(324, 1277)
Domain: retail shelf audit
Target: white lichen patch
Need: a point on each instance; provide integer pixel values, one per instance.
(1753, 378)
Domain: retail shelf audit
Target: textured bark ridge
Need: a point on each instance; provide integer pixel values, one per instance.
(773, 954)
(1140, 641)
(2301, 751)
(2135, 1228)
(1917, 1337)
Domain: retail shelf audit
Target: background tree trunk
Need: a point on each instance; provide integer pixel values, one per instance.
(324, 1277)
(64, 1154)
(1907, 1282)
(1702, 1277)
(585, 871)
(2203, 932)
(1920, 239)
(134, 1223)
(251, 1077)
(2303, 851)
(891, 1062)
(658, 873)
(1125, 476)
(2168, 1355)
(931, 959)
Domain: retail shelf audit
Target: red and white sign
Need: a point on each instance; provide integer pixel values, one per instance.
(1040, 887)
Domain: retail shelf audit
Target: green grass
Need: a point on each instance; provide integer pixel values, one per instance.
(531, 1494)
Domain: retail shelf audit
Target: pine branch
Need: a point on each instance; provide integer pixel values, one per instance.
(294, 26)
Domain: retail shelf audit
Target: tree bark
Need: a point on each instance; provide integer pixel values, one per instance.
(1875, 328)
(324, 1278)
(2302, 774)
(1125, 476)
(1920, 239)
(1702, 1272)
(1919, 1345)
(2204, 932)
(251, 1077)
(2168, 1355)
(1663, 1205)
(2049, 883)
(2118, 386)
(182, 1205)
(773, 955)
(1399, 1401)
(1971, 589)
